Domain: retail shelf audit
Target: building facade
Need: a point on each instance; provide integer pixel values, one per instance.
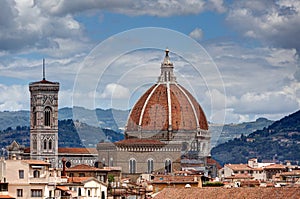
(44, 120)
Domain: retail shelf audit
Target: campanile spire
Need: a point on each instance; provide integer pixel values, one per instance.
(44, 78)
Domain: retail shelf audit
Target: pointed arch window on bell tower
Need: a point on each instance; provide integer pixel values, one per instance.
(34, 118)
(47, 116)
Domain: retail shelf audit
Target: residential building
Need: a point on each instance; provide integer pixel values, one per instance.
(30, 178)
(83, 187)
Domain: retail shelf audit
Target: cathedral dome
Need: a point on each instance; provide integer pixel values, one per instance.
(165, 107)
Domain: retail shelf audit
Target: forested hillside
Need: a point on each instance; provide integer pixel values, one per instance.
(280, 142)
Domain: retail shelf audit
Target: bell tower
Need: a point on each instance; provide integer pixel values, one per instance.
(44, 120)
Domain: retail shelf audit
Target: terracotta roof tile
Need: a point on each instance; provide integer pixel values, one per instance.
(291, 173)
(78, 150)
(6, 196)
(275, 166)
(238, 167)
(225, 193)
(36, 162)
(175, 179)
(83, 167)
(213, 161)
(79, 179)
(72, 150)
(155, 110)
(63, 188)
(240, 176)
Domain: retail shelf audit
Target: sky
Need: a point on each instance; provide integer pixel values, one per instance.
(240, 59)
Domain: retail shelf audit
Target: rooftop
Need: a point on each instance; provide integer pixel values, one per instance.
(79, 179)
(36, 162)
(225, 193)
(238, 167)
(72, 150)
(275, 166)
(83, 167)
(78, 150)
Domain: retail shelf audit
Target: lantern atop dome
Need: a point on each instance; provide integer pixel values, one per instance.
(167, 73)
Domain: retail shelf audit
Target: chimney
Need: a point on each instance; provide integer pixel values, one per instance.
(64, 167)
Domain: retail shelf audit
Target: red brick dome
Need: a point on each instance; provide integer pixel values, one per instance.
(165, 107)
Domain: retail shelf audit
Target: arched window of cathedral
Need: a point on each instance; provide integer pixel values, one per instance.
(45, 144)
(111, 162)
(34, 144)
(50, 144)
(132, 165)
(47, 116)
(168, 166)
(150, 165)
(36, 173)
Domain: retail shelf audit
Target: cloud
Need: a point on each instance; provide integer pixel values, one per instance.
(273, 22)
(196, 34)
(14, 97)
(259, 82)
(24, 25)
(161, 8)
(115, 91)
(267, 103)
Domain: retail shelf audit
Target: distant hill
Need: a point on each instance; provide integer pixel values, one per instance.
(71, 134)
(106, 119)
(224, 133)
(116, 120)
(280, 142)
(13, 119)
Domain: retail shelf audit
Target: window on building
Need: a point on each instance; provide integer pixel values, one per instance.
(47, 116)
(111, 162)
(132, 166)
(50, 145)
(19, 192)
(150, 165)
(21, 174)
(89, 192)
(168, 166)
(45, 145)
(81, 175)
(50, 194)
(3, 186)
(34, 143)
(103, 195)
(36, 192)
(36, 173)
(79, 191)
(34, 116)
